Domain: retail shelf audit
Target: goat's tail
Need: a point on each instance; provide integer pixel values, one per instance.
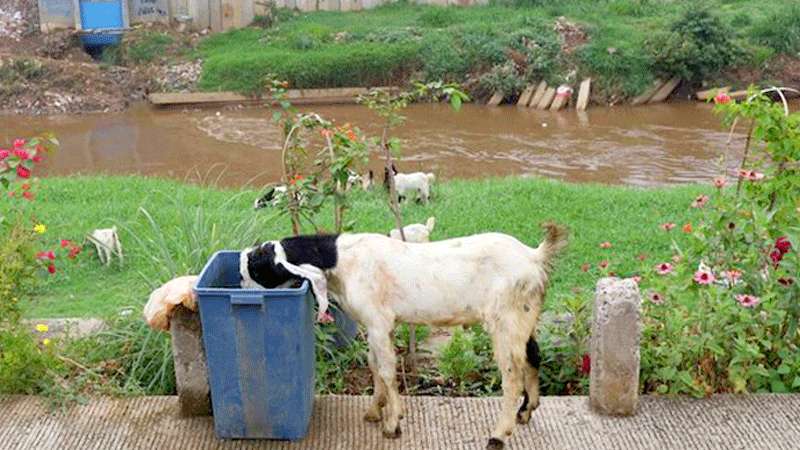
(554, 240)
(430, 224)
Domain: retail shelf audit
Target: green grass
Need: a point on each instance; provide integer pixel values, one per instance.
(189, 222)
(397, 41)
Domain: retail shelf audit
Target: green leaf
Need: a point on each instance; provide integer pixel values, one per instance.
(784, 369)
(796, 382)
(778, 386)
(455, 102)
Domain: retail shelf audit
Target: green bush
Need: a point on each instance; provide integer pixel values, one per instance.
(443, 58)
(26, 365)
(148, 47)
(17, 272)
(697, 46)
(437, 17)
(780, 31)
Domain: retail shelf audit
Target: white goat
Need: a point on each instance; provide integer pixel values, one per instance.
(490, 278)
(415, 232)
(415, 183)
(107, 243)
(365, 181)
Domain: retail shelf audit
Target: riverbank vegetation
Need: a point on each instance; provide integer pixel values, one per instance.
(623, 44)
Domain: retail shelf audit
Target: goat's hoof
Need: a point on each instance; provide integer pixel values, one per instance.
(392, 434)
(523, 417)
(494, 444)
(372, 416)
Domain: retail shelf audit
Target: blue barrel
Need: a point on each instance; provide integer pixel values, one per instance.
(260, 349)
(104, 16)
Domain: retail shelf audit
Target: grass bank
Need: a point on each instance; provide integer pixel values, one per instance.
(169, 228)
(623, 44)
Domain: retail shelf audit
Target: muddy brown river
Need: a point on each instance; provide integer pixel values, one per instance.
(649, 145)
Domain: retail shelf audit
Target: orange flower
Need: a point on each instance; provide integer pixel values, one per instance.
(687, 228)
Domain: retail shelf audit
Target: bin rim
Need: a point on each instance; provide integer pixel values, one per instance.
(259, 292)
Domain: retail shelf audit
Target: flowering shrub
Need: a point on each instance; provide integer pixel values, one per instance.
(25, 247)
(722, 316)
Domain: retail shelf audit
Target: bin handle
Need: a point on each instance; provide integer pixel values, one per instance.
(248, 300)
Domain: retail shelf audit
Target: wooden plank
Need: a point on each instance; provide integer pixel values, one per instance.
(648, 93)
(737, 95)
(547, 98)
(496, 99)
(708, 93)
(537, 94)
(583, 94)
(176, 98)
(665, 90)
(525, 97)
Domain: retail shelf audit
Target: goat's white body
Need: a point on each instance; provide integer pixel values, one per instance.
(415, 183)
(415, 232)
(107, 243)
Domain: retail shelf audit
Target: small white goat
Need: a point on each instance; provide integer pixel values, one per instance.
(415, 232)
(365, 181)
(107, 243)
(489, 278)
(415, 183)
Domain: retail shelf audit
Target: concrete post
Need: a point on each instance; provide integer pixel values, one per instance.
(616, 328)
(191, 373)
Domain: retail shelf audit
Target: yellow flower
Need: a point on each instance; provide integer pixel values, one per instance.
(42, 328)
(46, 341)
(40, 228)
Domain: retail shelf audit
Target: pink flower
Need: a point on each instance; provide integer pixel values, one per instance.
(720, 182)
(51, 268)
(73, 252)
(704, 277)
(586, 364)
(4, 154)
(751, 175)
(605, 244)
(664, 268)
(642, 256)
(732, 275)
(65, 243)
(700, 201)
(38, 159)
(19, 143)
(636, 279)
(722, 98)
(46, 255)
(23, 172)
(28, 195)
(603, 264)
(667, 226)
(656, 298)
(747, 300)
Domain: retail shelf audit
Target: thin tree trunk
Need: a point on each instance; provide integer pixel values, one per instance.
(744, 157)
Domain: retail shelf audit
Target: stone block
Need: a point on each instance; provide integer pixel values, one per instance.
(616, 329)
(191, 370)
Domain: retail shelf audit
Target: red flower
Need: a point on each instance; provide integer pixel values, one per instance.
(720, 182)
(776, 256)
(46, 255)
(19, 143)
(722, 98)
(26, 186)
(326, 318)
(73, 252)
(11, 194)
(51, 268)
(38, 159)
(586, 364)
(4, 154)
(667, 226)
(351, 135)
(783, 244)
(65, 243)
(786, 281)
(642, 257)
(23, 172)
(28, 195)
(21, 153)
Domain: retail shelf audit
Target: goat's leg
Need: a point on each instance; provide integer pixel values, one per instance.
(531, 397)
(373, 414)
(381, 345)
(509, 350)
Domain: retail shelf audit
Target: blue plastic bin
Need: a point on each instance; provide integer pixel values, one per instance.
(260, 349)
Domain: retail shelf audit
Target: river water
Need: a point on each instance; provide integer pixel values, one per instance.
(661, 144)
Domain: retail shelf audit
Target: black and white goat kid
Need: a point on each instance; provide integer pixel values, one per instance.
(492, 279)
